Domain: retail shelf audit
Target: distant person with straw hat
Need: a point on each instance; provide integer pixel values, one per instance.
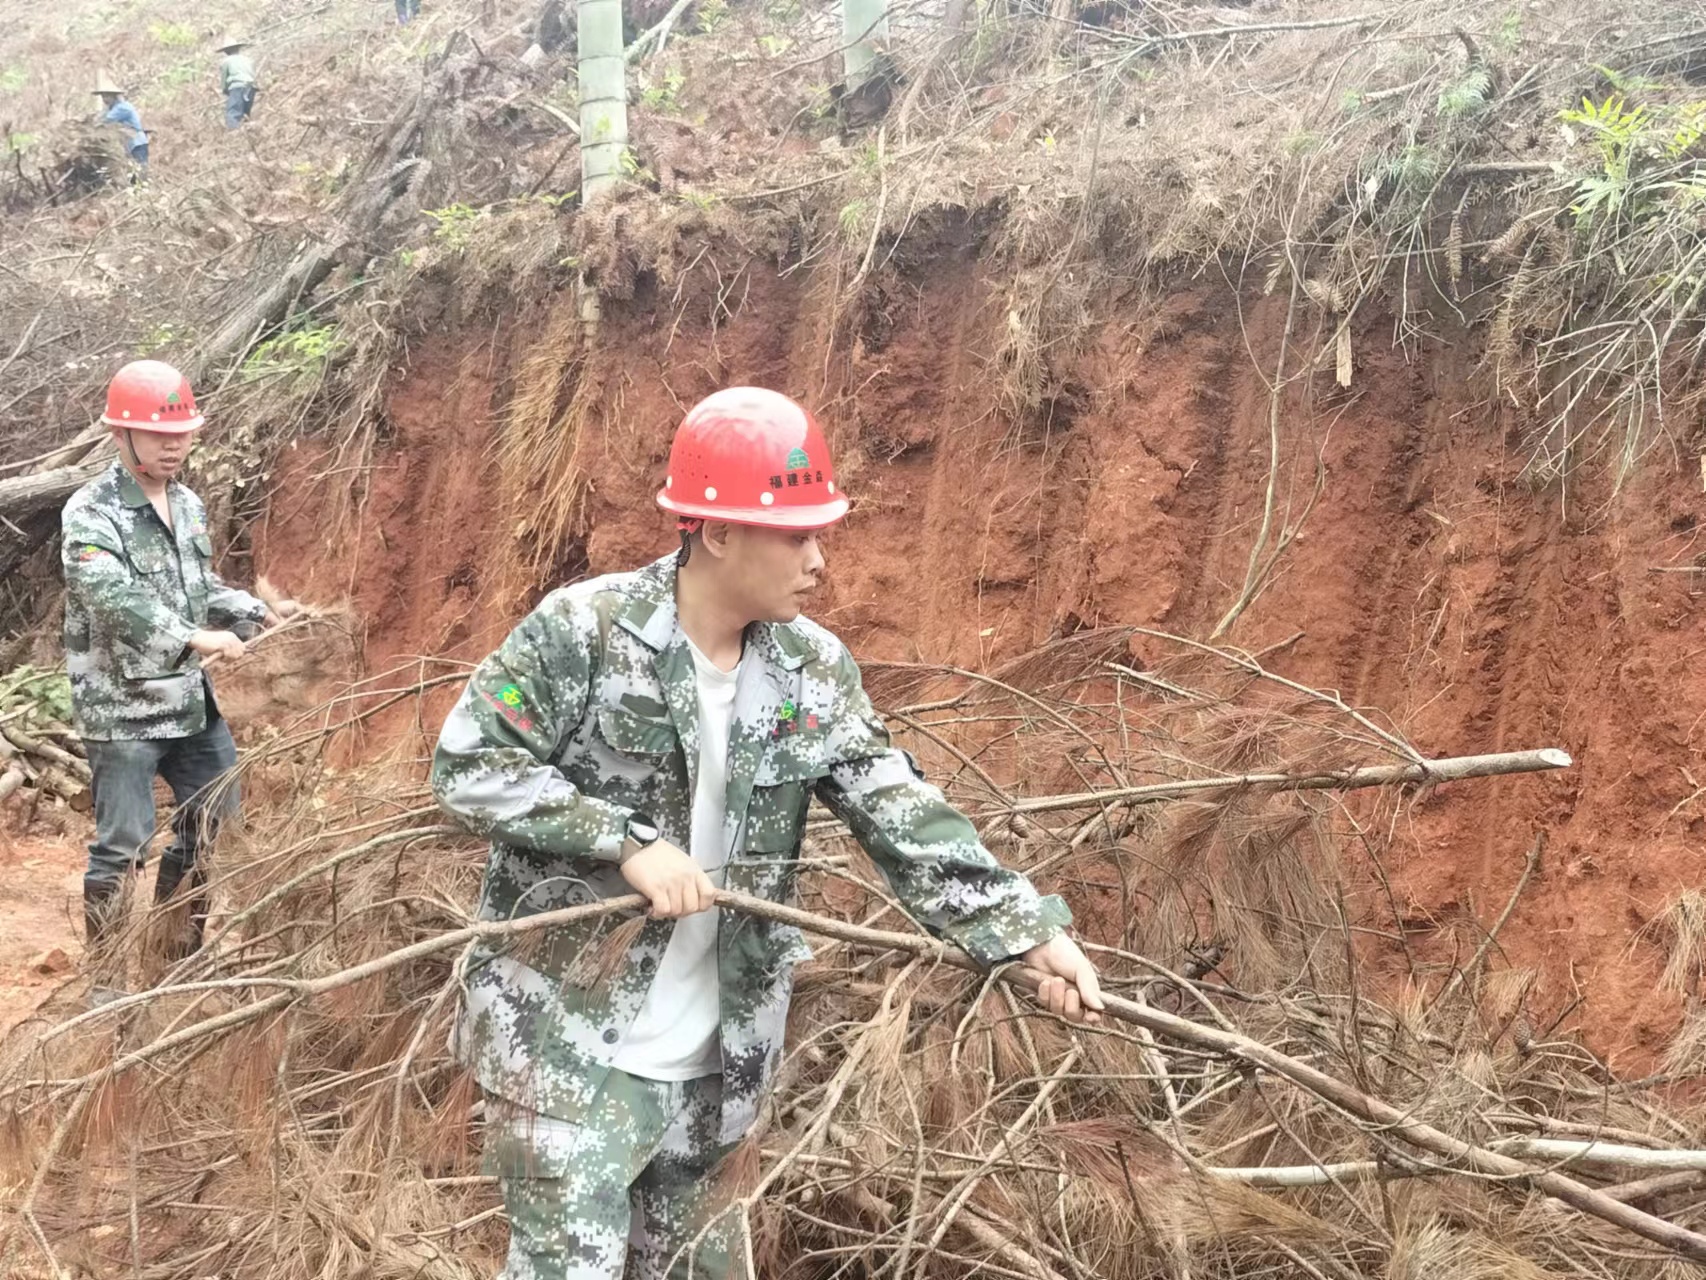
(120, 112)
(236, 81)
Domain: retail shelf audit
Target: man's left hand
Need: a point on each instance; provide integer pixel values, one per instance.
(1069, 986)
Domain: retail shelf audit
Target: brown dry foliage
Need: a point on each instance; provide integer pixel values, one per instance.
(325, 1135)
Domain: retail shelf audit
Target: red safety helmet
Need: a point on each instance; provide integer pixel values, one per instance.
(149, 395)
(752, 456)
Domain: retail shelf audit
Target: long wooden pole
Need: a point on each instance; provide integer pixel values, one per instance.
(1449, 769)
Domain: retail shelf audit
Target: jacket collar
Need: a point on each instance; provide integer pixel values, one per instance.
(650, 614)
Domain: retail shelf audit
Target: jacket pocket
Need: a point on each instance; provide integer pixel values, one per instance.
(630, 746)
(781, 793)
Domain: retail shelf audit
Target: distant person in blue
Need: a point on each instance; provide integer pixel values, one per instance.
(120, 112)
(407, 9)
(236, 81)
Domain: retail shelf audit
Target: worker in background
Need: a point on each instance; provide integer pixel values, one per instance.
(662, 732)
(407, 9)
(145, 614)
(236, 81)
(118, 111)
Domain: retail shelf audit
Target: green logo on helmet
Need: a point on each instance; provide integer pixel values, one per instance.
(797, 459)
(173, 398)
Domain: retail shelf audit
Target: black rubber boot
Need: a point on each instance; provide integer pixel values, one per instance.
(182, 943)
(103, 901)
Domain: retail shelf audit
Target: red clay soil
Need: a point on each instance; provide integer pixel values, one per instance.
(1429, 581)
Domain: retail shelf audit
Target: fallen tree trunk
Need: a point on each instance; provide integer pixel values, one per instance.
(24, 496)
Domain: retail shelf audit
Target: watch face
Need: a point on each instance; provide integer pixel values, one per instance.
(642, 830)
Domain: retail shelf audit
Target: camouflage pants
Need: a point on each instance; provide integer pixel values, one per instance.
(624, 1191)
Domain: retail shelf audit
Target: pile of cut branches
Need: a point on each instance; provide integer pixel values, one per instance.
(41, 756)
(1258, 1101)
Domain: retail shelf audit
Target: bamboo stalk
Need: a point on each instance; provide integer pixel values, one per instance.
(1448, 769)
(603, 75)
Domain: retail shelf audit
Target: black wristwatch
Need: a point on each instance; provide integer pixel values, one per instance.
(642, 833)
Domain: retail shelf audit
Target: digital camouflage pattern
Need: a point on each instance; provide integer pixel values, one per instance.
(587, 715)
(628, 1185)
(135, 591)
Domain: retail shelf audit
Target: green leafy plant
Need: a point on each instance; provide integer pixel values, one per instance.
(161, 336)
(1617, 129)
(774, 46)
(711, 14)
(1466, 95)
(453, 225)
(633, 170)
(178, 76)
(297, 355)
(47, 693)
(700, 200)
(1508, 37)
(18, 143)
(13, 78)
(852, 215)
(661, 95)
(174, 35)
(1414, 168)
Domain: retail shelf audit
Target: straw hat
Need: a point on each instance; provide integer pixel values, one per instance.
(104, 84)
(231, 42)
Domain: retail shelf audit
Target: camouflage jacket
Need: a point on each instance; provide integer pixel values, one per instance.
(588, 715)
(135, 591)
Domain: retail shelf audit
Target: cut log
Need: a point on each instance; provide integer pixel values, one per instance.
(27, 495)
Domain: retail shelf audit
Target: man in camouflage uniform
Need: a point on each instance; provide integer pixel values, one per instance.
(663, 732)
(144, 612)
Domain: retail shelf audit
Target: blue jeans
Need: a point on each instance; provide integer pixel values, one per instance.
(124, 771)
(239, 101)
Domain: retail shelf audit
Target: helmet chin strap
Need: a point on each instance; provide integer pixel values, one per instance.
(687, 526)
(135, 461)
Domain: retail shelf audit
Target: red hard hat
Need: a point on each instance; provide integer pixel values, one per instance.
(148, 395)
(753, 457)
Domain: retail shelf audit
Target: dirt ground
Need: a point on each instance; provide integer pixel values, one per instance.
(41, 940)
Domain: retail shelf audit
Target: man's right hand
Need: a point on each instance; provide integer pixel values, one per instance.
(670, 880)
(215, 645)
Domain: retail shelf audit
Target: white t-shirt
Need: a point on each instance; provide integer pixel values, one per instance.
(675, 1035)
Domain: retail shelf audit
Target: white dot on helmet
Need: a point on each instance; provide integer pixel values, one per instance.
(832, 487)
(767, 498)
(669, 482)
(710, 495)
(154, 417)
